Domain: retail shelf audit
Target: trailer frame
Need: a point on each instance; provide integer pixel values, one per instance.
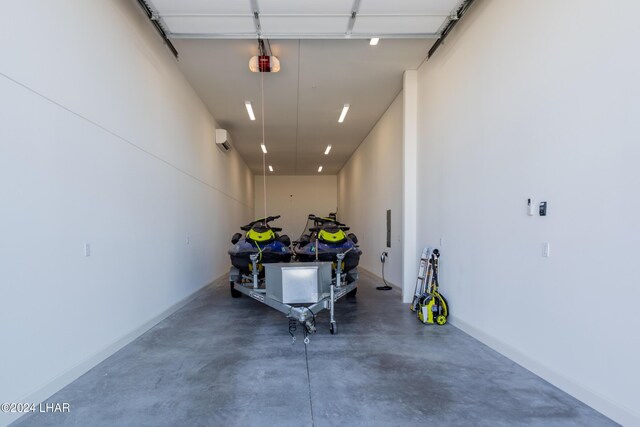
(304, 314)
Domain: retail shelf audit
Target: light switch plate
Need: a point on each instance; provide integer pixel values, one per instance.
(546, 250)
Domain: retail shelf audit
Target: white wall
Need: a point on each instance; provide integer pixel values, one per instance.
(102, 141)
(294, 198)
(368, 185)
(531, 98)
(410, 252)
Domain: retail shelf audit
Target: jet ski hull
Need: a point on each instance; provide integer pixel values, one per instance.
(273, 252)
(328, 252)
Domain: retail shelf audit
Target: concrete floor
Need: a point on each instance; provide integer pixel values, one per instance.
(230, 362)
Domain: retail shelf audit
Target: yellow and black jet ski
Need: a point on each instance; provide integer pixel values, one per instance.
(326, 239)
(262, 239)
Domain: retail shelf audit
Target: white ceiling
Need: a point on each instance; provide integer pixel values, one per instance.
(326, 62)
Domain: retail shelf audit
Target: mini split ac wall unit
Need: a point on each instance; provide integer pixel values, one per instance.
(223, 140)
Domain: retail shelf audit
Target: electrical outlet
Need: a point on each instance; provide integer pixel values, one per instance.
(87, 249)
(441, 241)
(546, 250)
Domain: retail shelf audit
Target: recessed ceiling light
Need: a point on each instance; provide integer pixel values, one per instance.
(327, 150)
(264, 148)
(320, 169)
(270, 168)
(247, 104)
(344, 113)
(374, 41)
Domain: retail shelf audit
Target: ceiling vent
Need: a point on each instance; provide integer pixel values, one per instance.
(223, 140)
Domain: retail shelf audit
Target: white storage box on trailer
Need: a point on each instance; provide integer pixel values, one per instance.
(298, 283)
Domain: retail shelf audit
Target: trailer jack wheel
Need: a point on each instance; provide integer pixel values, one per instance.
(441, 320)
(333, 328)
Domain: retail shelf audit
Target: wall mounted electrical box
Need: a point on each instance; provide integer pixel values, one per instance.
(543, 209)
(389, 228)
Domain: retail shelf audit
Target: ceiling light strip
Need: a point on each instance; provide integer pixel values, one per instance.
(327, 150)
(249, 108)
(320, 169)
(344, 113)
(263, 148)
(270, 168)
(374, 41)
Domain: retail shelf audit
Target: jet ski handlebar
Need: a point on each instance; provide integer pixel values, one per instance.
(341, 227)
(264, 221)
(321, 220)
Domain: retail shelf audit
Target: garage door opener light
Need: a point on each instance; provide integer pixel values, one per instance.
(265, 61)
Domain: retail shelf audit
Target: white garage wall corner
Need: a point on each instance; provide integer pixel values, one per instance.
(369, 184)
(410, 185)
(294, 198)
(549, 114)
(102, 142)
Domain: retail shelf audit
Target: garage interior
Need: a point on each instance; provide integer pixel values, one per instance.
(118, 206)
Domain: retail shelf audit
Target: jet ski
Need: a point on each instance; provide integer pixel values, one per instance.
(261, 239)
(326, 239)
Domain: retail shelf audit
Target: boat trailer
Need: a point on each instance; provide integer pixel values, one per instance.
(300, 290)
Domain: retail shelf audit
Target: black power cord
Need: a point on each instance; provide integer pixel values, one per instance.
(386, 287)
